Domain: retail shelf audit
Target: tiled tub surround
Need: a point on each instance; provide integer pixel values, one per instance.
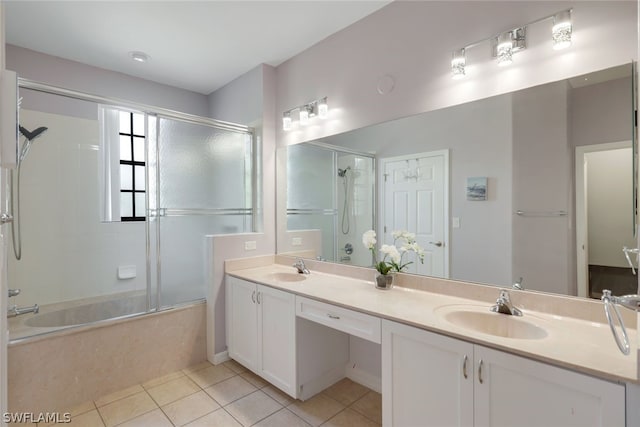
(578, 335)
(56, 371)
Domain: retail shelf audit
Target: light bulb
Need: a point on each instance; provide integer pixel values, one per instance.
(562, 29)
(323, 108)
(458, 62)
(505, 49)
(304, 116)
(286, 121)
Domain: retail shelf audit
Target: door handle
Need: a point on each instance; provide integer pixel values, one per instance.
(464, 367)
(480, 372)
(438, 243)
(253, 296)
(5, 218)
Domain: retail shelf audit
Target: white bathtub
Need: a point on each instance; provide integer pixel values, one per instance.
(74, 313)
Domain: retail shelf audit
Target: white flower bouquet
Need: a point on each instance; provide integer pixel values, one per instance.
(393, 259)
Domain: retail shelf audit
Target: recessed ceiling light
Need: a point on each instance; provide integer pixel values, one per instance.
(139, 56)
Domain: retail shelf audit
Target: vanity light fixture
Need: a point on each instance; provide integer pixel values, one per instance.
(458, 62)
(305, 113)
(504, 48)
(505, 44)
(562, 28)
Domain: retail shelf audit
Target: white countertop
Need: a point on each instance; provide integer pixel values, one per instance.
(573, 343)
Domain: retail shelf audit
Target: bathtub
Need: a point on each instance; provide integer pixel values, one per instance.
(52, 317)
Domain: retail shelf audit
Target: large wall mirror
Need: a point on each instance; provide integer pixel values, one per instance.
(532, 187)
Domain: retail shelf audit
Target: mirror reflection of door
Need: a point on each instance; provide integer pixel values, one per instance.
(604, 209)
(415, 198)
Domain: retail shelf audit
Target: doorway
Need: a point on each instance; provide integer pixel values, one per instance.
(604, 222)
(415, 197)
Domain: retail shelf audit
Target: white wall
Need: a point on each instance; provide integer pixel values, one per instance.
(609, 206)
(56, 71)
(542, 159)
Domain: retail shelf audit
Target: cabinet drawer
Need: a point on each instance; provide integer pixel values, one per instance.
(349, 321)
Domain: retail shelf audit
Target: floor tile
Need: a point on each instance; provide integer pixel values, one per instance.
(253, 408)
(278, 395)
(229, 390)
(82, 408)
(125, 409)
(219, 418)
(254, 379)
(163, 379)
(87, 419)
(190, 408)
(112, 397)
(349, 418)
(155, 418)
(197, 367)
(346, 391)
(173, 390)
(283, 417)
(370, 406)
(211, 375)
(316, 410)
(235, 366)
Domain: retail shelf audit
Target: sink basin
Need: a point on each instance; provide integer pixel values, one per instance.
(496, 324)
(286, 277)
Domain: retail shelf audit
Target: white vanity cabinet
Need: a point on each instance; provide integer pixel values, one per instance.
(432, 380)
(261, 331)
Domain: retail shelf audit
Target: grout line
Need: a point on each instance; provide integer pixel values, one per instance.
(296, 415)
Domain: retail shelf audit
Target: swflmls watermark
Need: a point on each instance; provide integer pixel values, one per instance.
(36, 417)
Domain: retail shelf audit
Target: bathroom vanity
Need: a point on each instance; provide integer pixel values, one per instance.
(446, 360)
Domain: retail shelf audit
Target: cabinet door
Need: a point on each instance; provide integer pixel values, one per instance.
(427, 379)
(276, 338)
(242, 336)
(511, 390)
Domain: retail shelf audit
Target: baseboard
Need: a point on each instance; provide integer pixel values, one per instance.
(220, 357)
(365, 378)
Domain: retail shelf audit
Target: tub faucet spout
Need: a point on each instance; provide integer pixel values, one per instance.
(14, 310)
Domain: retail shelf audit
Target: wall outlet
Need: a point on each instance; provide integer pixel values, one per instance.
(455, 222)
(250, 245)
(296, 241)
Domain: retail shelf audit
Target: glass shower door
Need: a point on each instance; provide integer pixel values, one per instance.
(203, 187)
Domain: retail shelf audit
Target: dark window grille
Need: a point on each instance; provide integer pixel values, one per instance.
(132, 168)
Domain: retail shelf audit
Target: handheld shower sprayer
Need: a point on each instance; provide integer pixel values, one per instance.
(16, 236)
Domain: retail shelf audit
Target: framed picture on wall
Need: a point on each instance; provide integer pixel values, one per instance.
(477, 188)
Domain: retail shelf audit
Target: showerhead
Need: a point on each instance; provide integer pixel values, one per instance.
(29, 136)
(32, 135)
(343, 172)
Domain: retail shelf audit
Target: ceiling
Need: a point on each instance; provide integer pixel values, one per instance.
(194, 45)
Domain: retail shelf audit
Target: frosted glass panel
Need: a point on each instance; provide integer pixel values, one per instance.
(140, 177)
(182, 254)
(311, 176)
(202, 167)
(140, 208)
(125, 122)
(138, 149)
(324, 223)
(138, 124)
(126, 205)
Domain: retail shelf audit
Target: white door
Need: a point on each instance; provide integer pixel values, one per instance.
(415, 198)
(427, 378)
(242, 321)
(277, 338)
(511, 390)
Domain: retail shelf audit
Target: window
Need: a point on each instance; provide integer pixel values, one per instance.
(132, 166)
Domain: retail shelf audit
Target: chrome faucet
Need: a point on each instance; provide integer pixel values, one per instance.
(13, 292)
(302, 269)
(518, 285)
(14, 310)
(504, 305)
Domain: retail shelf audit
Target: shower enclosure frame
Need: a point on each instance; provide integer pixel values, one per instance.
(335, 149)
(159, 112)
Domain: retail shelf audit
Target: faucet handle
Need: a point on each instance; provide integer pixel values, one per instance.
(504, 296)
(13, 292)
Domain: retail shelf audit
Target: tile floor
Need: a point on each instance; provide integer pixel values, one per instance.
(227, 395)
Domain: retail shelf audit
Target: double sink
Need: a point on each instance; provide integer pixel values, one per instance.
(473, 317)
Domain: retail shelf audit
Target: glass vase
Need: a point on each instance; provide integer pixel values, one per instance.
(385, 281)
